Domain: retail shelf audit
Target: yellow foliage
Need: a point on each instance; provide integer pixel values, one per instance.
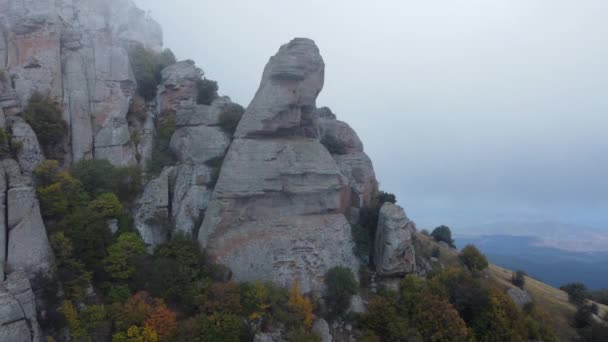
(300, 304)
(72, 319)
(136, 334)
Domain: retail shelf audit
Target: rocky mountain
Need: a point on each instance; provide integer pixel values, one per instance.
(280, 192)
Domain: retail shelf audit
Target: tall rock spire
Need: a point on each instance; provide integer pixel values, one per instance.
(277, 213)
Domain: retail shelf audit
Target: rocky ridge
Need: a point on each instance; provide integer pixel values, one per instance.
(270, 201)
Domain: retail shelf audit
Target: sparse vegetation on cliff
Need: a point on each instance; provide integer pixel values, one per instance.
(147, 67)
(230, 117)
(333, 145)
(207, 91)
(46, 119)
(161, 154)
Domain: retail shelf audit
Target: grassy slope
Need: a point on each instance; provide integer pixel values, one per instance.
(551, 300)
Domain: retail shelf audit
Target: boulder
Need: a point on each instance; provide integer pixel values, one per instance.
(191, 195)
(199, 144)
(520, 297)
(357, 305)
(277, 211)
(393, 251)
(18, 310)
(152, 212)
(179, 87)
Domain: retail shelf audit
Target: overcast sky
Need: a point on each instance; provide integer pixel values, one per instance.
(472, 110)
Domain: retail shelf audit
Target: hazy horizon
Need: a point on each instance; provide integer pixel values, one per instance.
(472, 111)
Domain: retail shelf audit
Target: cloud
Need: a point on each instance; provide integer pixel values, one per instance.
(470, 109)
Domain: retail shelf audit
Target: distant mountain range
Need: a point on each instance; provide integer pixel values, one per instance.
(549, 260)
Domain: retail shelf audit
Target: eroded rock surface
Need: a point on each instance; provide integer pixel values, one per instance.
(27, 244)
(18, 310)
(198, 144)
(76, 53)
(353, 163)
(277, 211)
(393, 252)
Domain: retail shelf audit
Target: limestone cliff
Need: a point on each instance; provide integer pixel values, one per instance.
(76, 53)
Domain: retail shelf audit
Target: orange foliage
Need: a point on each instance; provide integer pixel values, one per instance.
(162, 321)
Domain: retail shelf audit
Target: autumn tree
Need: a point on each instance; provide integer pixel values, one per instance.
(163, 321)
(136, 334)
(437, 320)
(299, 305)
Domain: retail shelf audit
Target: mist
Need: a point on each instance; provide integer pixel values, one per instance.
(472, 111)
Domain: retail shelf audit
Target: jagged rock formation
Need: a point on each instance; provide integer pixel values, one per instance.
(353, 163)
(393, 252)
(18, 310)
(181, 194)
(277, 212)
(21, 225)
(75, 52)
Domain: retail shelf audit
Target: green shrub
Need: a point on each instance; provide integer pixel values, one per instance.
(220, 327)
(207, 91)
(45, 118)
(216, 166)
(443, 234)
(340, 287)
(436, 252)
(473, 259)
(161, 154)
(230, 117)
(326, 113)
(123, 257)
(302, 335)
(363, 241)
(577, 293)
(99, 176)
(5, 144)
(519, 279)
(333, 145)
(147, 67)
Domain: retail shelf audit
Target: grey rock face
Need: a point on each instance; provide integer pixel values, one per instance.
(28, 247)
(519, 296)
(199, 144)
(322, 328)
(277, 209)
(76, 53)
(30, 154)
(393, 251)
(179, 88)
(287, 248)
(354, 164)
(196, 143)
(357, 305)
(269, 337)
(152, 211)
(285, 102)
(18, 310)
